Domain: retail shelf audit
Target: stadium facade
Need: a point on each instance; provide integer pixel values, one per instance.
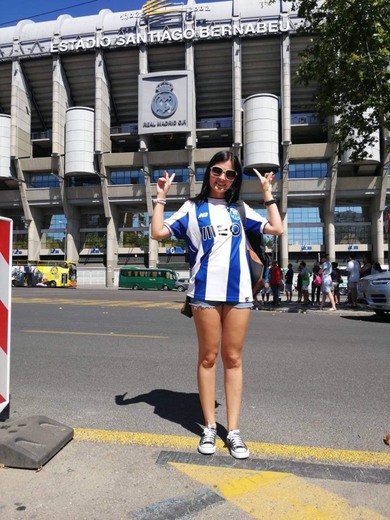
(93, 109)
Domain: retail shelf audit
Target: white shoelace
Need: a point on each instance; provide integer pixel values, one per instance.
(209, 435)
(236, 441)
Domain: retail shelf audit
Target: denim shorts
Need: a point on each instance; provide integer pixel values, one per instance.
(210, 304)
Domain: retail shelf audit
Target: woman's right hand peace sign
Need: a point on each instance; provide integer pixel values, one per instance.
(164, 183)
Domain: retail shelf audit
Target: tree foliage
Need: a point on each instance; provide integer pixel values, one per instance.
(349, 58)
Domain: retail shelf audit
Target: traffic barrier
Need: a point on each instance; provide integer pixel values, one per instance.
(30, 442)
(5, 311)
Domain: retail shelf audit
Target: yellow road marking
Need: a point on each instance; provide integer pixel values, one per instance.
(257, 449)
(267, 494)
(144, 304)
(111, 334)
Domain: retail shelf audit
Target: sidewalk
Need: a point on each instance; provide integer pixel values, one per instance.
(103, 480)
(297, 307)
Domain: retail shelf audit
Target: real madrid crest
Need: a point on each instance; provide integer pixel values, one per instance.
(164, 103)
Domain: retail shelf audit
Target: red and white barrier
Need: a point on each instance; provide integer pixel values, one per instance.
(5, 308)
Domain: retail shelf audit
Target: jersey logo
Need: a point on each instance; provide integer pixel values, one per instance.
(203, 215)
(234, 214)
(222, 231)
(207, 232)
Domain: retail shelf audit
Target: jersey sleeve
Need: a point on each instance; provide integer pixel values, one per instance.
(254, 221)
(178, 222)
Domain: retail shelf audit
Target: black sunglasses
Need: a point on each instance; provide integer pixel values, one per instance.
(229, 174)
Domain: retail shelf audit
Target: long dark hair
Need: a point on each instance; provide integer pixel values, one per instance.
(233, 194)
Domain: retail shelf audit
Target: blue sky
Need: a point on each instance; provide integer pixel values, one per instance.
(42, 10)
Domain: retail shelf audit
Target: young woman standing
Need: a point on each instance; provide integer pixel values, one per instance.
(220, 284)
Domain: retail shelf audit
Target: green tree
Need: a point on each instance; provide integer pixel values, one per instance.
(348, 56)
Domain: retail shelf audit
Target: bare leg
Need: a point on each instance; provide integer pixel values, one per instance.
(234, 326)
(208, 324)
(208, 328)
(331, 298)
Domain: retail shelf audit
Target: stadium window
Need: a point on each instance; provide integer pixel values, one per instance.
(305, 226)
(308, 170)
(352, 224)
(127, 177)
(181, 174)
(93, 220)
(199, 173)
(42, 180)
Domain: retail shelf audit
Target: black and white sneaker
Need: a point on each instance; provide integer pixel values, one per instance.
(207, 442)
(237, 447)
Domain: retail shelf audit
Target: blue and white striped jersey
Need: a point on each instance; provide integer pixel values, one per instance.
(217, 248)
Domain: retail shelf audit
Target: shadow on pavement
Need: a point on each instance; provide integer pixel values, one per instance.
(369, 318)
(177, 407)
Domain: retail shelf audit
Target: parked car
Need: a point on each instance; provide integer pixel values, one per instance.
(374, 291)
(182, 284)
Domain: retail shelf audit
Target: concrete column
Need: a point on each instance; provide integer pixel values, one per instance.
(143, 143)
(29, 215)
(377, 233)
(283, 243)
(73, 236)
(153, 244)
(20, 114)
(153, 252)
(190, 65)
(191, 137)
(330, 235)
(102, 106)
(286, 89)
(110, 213)
(330, 204)
(286, 141)
(237, 94)
(61, 102)
(143, 69)
(111, 250)
(34, 235)
(237, 84)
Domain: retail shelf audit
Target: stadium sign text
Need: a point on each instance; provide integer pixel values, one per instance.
(174, 35)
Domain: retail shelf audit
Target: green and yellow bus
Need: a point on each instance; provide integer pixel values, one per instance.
(132, 277)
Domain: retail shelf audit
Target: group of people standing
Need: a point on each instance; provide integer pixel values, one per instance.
(357, 271)
(326, 278)
(327, 272)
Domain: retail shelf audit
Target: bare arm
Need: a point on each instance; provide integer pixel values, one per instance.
(275, 225)
(158, 230)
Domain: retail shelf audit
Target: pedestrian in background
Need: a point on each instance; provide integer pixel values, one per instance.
(220, 288)
(305, 282)
(336, 280)
(353, 270)
(288, 279)
(365, 269)
(275, 279)
(299, 285)
(376, 268)
(315, 289)
(266, 290)
(326, 287)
